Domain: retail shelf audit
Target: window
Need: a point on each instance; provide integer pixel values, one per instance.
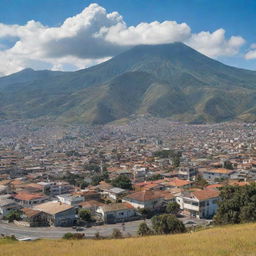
(202, 204)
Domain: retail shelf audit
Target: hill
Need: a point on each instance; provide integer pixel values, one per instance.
(169, 81)
(220, 241)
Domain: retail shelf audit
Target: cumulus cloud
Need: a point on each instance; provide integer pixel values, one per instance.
(251, 54)
(215, 44)
(93, 36)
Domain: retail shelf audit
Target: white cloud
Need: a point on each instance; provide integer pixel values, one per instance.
(146, 33)
(251, 54)
(93, 36)
(215, 44)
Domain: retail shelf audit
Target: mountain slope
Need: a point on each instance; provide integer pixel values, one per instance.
(217, 241)
(170, 80)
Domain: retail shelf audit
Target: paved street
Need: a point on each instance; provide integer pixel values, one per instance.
(130, 228)
(58, 232)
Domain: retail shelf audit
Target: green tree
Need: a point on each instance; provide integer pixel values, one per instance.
(173, 208)
(176, 161)
(155, 177)
(167, 224)
(68, 236)
(122, 181)
(96, 179)
(200, 181)
(144, 230)
(236, 205)
(13, 215)
(228, 165)
(85, 215)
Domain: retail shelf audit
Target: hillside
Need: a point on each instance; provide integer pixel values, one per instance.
(223, 241)
(169, 81)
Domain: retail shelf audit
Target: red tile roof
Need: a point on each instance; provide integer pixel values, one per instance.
(143, 196)
(179, 182)
(28, 196)
(206, 194)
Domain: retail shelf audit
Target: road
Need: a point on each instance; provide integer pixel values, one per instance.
(129, 229)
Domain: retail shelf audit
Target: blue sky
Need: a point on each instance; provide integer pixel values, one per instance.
(235, 17)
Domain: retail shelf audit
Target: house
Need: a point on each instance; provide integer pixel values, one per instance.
(91, 195)
(115, 193)
(27, 199)
(119, 212)
(7, 205)
(3, 189)
(70, 199)
(56, 188)
(187, 173)
(58, 214)
(149, 185)
(91, 205)
(149, 199)
(219, 173)
(200, 203)
(178, 183)
(34, 218)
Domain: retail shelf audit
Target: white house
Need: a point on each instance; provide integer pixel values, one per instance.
(115, 193)
(200, 204)
(119, 212)
(148, 199)
(70, 200)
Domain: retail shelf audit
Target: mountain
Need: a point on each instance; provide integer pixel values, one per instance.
(170, 81)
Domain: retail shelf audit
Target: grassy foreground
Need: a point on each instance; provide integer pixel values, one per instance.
(236, 240)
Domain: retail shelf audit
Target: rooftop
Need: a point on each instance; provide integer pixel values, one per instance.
(116, 207)
(52, 207)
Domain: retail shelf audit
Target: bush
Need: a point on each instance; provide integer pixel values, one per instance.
(173, 208)
(76, 236)
(116, 233)
(167, 224)
(85, 215)
(144, 230)
(122, 182)
(68, 236)
(97, 235)
(13, 215)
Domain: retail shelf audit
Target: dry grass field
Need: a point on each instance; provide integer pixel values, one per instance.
(236, 240)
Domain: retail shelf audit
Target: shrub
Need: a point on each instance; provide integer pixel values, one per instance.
(122, 182)
(144, 230)
(173, 208)
(116, 233)
(167, 224)
(68, 236)
(85, 215)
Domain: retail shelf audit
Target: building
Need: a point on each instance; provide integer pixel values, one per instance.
(34, 218)
(119, 212)
(70, 199)
(56, 188)
(91, 205)
(178, 183)
(26, 199)
(219, 173)
(187, 173)
(58, 214)
(200, 204)
(150, 199)
(115, 193)
(7, 205)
